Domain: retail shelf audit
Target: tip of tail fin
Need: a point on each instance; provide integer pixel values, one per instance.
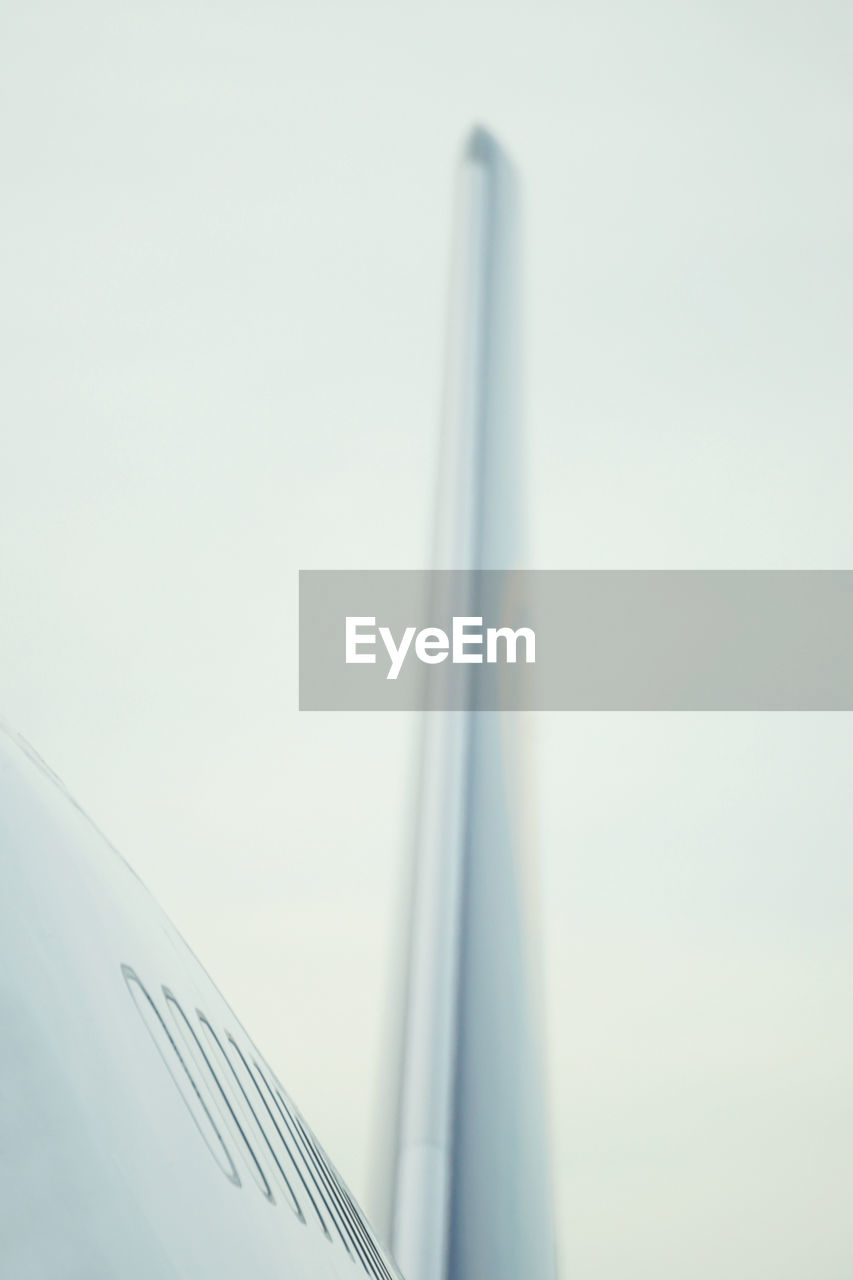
(481, 146)
(468, 1190)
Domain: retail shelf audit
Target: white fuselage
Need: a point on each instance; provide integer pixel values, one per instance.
(141, 1132)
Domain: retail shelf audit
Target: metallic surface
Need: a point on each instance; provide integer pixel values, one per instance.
(471, 1192)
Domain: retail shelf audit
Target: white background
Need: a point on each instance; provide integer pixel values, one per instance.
(226, 233)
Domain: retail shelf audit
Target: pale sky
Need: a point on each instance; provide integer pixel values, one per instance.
(225, 251)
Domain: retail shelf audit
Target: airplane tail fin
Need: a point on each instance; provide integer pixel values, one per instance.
(469, 1192)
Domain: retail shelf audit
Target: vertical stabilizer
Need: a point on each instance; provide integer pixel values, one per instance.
(470, 1192)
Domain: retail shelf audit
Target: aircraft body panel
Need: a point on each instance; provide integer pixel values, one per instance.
(141, 1132)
